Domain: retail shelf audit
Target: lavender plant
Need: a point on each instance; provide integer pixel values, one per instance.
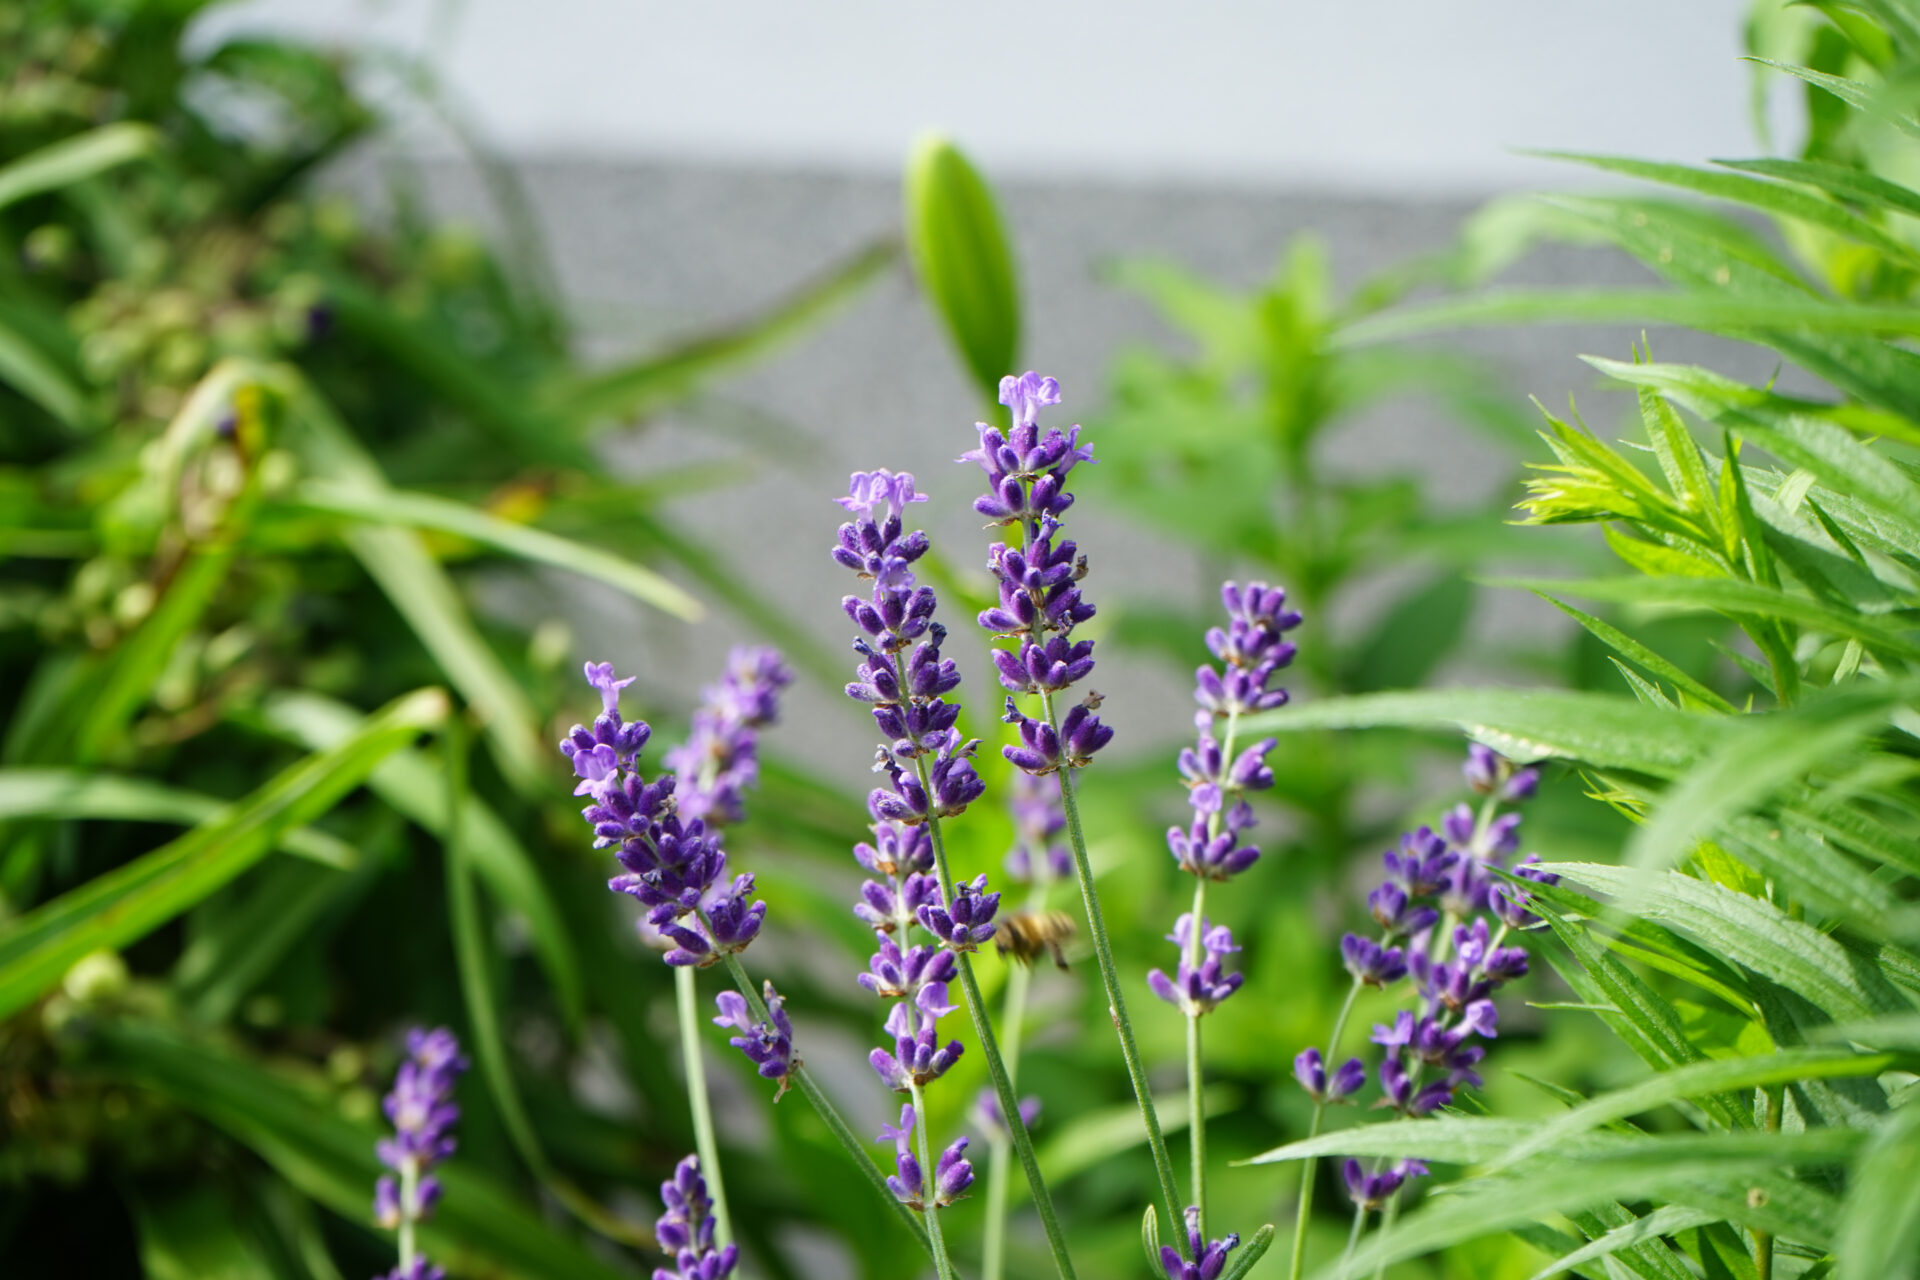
(1252, 649)
(930, 776)
(676, 867)
(1434, 948)
(686, 1230)
(422, 1111)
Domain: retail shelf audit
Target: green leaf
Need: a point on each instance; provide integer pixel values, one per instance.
(1754, 934)
(39, 378)
(234, 952)
(1693, 1080)
(1756, 193)
(79, 795)
(964, 261)
(1601, 729)
(424, 596)
(1734, 597)
(1625, 645)
(1685, 309)
(424, 511)
(1642, 1018)
(75, 159)
(1863, 97)
(1763, 755)
(412, 783)
(1880, 1224)
(1721, 1187)
(1664, 1221)
(479, 1226)
(635, 388)
(1841, 181)
(1484, 1140)
(128, 902)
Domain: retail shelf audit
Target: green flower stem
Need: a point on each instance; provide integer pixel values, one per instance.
(1388, 1217)
(996, 1066)
(1013, 1018)
(1196, 1106)
(1353, 1236)
(1311, 1168)
(686, 995)
(1763, 1240)
(942, 1265)
(1196, 1109)
(1116, 1003)
(409, 1205)
(823, 1106)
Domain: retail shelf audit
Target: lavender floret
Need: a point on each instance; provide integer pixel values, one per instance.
(1371, 1190)
(422, 1111)
(767, 1045)
(1198, 989)
(1209, 1257)
(685, 1230)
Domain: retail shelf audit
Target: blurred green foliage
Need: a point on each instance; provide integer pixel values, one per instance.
(255, 450)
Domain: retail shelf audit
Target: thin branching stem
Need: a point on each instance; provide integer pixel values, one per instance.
(942, 1265)
(1013, 1018)
(1310, 1168)
(996, 1066)
(1116, 1002)
(687, 997)
(823, 1106)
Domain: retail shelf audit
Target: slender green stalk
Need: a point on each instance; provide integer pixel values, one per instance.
(409, 1205)
(1196, 1105)
(1763, 1240)
(1013, 1018)
(823, 1106)
(996, 1066)
(1116, 1002)
(686, 996)
(1311, 1168)
(942, 1265)
(1387, 1218)
(1353, 1236)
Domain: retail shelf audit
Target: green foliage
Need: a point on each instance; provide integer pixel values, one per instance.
(254, 454)
(962, 258)
(1773, 792)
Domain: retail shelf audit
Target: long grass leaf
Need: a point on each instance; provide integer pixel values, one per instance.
(75, 159)
(125, 904)
(424, 511)
(1751, 933)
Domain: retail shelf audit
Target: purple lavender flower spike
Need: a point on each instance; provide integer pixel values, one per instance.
(1038, 582)
(673, 860)
(1209, 1257)
(423, 1114)
(768, 1045)
(685, 1230)
(1196, 991)
(721, 758)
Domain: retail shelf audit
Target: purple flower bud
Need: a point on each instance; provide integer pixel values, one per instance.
(1372, 1190)
(967, 921)
(768, 1045)
(418, 1269)
(1371, 963)
(1209, 1258)
(1420, 865)
(1197, 990)
(685, 1231)
(423, 1114)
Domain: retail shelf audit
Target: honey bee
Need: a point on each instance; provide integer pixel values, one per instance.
(1025, 934)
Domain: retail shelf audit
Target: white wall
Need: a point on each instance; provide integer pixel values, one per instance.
(1396, 97)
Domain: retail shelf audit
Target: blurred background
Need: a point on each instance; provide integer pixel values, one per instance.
(349, 350)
